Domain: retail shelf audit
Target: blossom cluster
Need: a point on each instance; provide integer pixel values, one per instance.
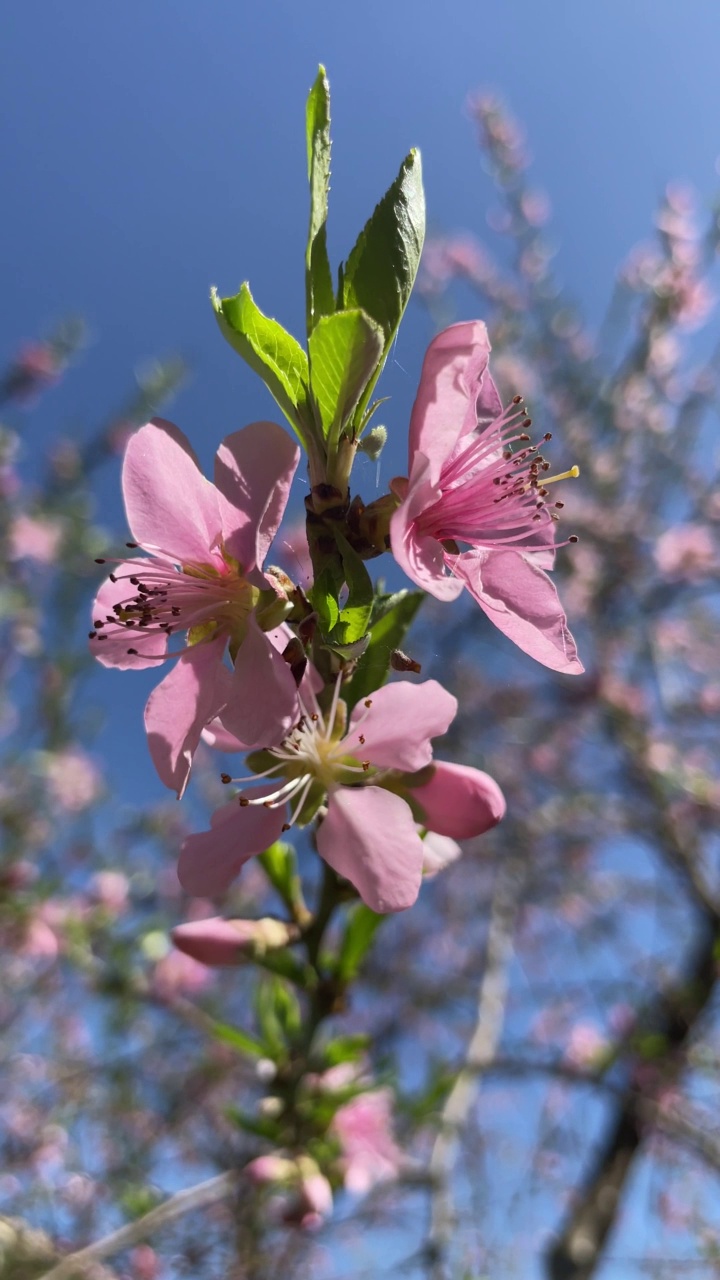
(473, 513)
(307, 677)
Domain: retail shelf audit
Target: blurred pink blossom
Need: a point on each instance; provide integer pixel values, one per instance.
(35, 538)
(74, 781)
(586, 1046)
(686, 551)
(40, 940)
(292, 552)
(177, 974)
(37, 365)
(145, 1263)
(111, 890)
(363, 1127)
(305, 1195)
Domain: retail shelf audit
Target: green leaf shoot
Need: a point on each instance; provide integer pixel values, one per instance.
(387, 634)
(320, 299)
(270, 351)
(345, 350)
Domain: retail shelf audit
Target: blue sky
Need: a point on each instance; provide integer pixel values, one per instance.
(152, 148)
(155, 147)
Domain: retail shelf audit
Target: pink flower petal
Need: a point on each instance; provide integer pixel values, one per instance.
(460, 802)
(455, 389)
(213, 942)
(399, 724)
(210, 860)
(217, 736)
(169, 503)
(177, 711)
(421, 556)
(112, 649)
(254, 469)
(222, 942)
(369, 837)
(263, 702)
(519, 598)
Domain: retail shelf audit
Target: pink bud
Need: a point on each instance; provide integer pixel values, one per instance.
(218, 942)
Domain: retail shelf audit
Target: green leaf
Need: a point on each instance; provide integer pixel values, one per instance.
(318, 277)
(386, 634)
(259, 1126)
(270, 351)
(345, 350)
(278, 1015)
(238, 1039)
(355, 614)
(379, 274)
(323, 598)
(280, 866)
(349, 1048)
(359, 933)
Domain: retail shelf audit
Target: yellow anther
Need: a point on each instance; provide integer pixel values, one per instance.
(572, 474)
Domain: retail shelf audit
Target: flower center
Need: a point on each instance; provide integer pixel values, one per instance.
(314, 759)
(203, 600)
(493, 494)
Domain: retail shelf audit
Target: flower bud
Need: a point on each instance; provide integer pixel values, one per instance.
(216, 942)
(373, 442)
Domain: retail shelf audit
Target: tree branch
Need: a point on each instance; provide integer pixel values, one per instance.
(197, 1197)
(673, 1015)
(479, 1055)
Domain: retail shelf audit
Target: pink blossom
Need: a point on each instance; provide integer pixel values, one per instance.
(586, 1046)
(307, 1198)
(111, 890)
(293, 553)
(217, 942)
(176, 974)
(364, 1129)
(270, 1168)
(368, 832)
(36, 366)
(35, 538)
(686, 551)
(40, 941)
(315, 1199)
(145, 1263)
(201, 574)
(74, 781)
(467, 487)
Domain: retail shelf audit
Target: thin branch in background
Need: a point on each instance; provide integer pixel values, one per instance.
(197, 1197)
(481, 1050)
(673, 1019)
